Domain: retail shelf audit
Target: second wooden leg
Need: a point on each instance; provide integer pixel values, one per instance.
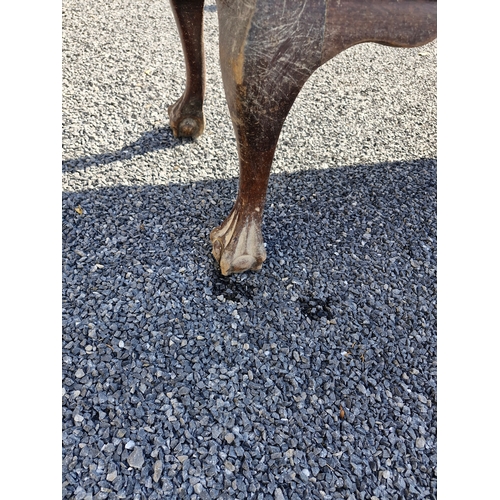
(186, 115)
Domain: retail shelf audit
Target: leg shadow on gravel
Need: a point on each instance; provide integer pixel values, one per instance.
(328, 223)
(179, 381)
(157, 139)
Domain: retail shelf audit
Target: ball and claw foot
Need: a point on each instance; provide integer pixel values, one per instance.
(237, 244)
(186, 118)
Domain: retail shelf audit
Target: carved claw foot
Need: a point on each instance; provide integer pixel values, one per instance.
(187, 118)
(237, 243)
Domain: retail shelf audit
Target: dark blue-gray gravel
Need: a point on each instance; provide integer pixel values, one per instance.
(315, 378)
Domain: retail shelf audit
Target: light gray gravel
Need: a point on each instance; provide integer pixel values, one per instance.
(180, 383)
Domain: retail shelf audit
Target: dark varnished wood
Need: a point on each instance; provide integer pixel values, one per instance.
(398, 23)
(268, 50)
(186, 115)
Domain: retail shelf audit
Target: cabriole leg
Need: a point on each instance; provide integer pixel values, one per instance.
(267, 54)
(186, 115)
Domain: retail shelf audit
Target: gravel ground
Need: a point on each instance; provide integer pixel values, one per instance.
(314, 378)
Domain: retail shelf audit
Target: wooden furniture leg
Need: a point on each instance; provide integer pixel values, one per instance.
(186, 115)
(268, 50)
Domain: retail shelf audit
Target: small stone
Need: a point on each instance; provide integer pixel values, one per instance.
(79, 373)
(361, 388)
(304, 474)
(157, 469)
(229, 466)
(229, 437)
(210, 471)
(111, 476)
(78, 418)
(108, 448)
(130, 445)
(136, 458)
(198, 488)
(278, 494)
(80, 493)
(121, 344)
(420, 442)
(121, 432)
(182, 458)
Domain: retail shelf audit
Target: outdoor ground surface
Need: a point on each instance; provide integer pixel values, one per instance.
(314, 378)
